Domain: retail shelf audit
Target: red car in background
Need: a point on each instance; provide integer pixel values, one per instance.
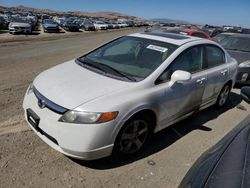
(195, 33)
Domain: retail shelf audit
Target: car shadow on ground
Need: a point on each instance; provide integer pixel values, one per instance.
(168, 136)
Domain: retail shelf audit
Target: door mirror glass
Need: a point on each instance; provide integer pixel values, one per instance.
(180, 76)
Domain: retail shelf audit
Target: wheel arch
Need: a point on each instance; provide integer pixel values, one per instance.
(139, 111)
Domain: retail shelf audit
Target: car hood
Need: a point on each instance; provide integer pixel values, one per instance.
(50, 25)
(239, 56)
(19, 24)
(101, 25)
(70, 85)
(72, 25)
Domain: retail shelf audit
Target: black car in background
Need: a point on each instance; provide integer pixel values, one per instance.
(220, 37)
(87, 25)
(50, 26)
(70, 26)
(238, 46)
(225, 165)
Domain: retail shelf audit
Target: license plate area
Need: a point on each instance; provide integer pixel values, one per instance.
(33, 119)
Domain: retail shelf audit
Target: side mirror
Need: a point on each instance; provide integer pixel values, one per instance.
(245, 94)
(180, 76)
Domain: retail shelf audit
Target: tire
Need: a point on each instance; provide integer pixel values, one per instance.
(133, 137)
(223, 96)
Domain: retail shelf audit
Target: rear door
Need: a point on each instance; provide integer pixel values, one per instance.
(217, 72)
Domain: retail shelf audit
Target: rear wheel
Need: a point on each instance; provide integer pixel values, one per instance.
(133, 137)
(223, 96)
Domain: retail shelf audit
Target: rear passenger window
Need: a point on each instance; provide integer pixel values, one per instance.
(214, 56)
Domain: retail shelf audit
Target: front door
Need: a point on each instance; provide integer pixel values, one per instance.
(183, 97)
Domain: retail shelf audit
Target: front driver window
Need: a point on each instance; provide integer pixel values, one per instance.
(190, 61)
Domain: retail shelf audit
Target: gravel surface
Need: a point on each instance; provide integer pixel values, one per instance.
(26, 161)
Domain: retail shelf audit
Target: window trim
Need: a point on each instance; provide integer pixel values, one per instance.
(203, 46)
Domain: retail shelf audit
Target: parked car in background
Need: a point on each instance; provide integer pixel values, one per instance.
(130, 24)
(212, 30)
(195, 33)
(4, 22)
(20, 25)
(122, 24)
(100, 25)
(50, 25)
(220, 37)
(225, 164)
(69, 25)
(115, 25)
(114, 98)
(245, 93)
(238, 46)
(110, 25)
(87, 25)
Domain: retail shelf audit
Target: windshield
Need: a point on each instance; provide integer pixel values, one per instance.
(221, 37)
(88, 22)
(136, 57)
(99, 22)
(237, 43)
(20, 20)
(49, 21)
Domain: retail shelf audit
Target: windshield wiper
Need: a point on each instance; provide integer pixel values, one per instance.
(119, 72)
(90, 64)
(100, 66)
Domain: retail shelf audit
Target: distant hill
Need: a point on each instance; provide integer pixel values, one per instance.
(165, 21)
(110, 15)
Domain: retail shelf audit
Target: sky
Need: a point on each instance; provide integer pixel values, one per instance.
(216, 12)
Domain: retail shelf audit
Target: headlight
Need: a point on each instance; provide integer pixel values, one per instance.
(245, 64)
(30, 89)
(87, 117)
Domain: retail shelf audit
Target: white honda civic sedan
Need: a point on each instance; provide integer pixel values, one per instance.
(112, 99)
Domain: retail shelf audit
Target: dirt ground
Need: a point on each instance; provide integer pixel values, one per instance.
(26, 161)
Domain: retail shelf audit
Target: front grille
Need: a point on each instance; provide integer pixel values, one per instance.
(49, 104)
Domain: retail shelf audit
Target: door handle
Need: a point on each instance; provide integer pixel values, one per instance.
(200, 81)
(223, 72)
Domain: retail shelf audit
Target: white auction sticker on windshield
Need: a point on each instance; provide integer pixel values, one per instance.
(157, 48)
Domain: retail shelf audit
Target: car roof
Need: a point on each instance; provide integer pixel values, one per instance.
(240, 35)
(172, 38)
(227, 33)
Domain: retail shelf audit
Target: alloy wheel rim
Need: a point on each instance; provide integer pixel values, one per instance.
(133, 137)
(223, 96)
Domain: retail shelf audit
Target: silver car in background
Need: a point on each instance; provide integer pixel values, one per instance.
(111, 100)
(20, 25)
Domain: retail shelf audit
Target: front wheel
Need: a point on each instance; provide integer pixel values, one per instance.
(223, 96)
(133, 137)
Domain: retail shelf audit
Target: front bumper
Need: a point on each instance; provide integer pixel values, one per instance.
(81, 141)
(20, 30)
(51, 29)
(90, 28)
(243, 76)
